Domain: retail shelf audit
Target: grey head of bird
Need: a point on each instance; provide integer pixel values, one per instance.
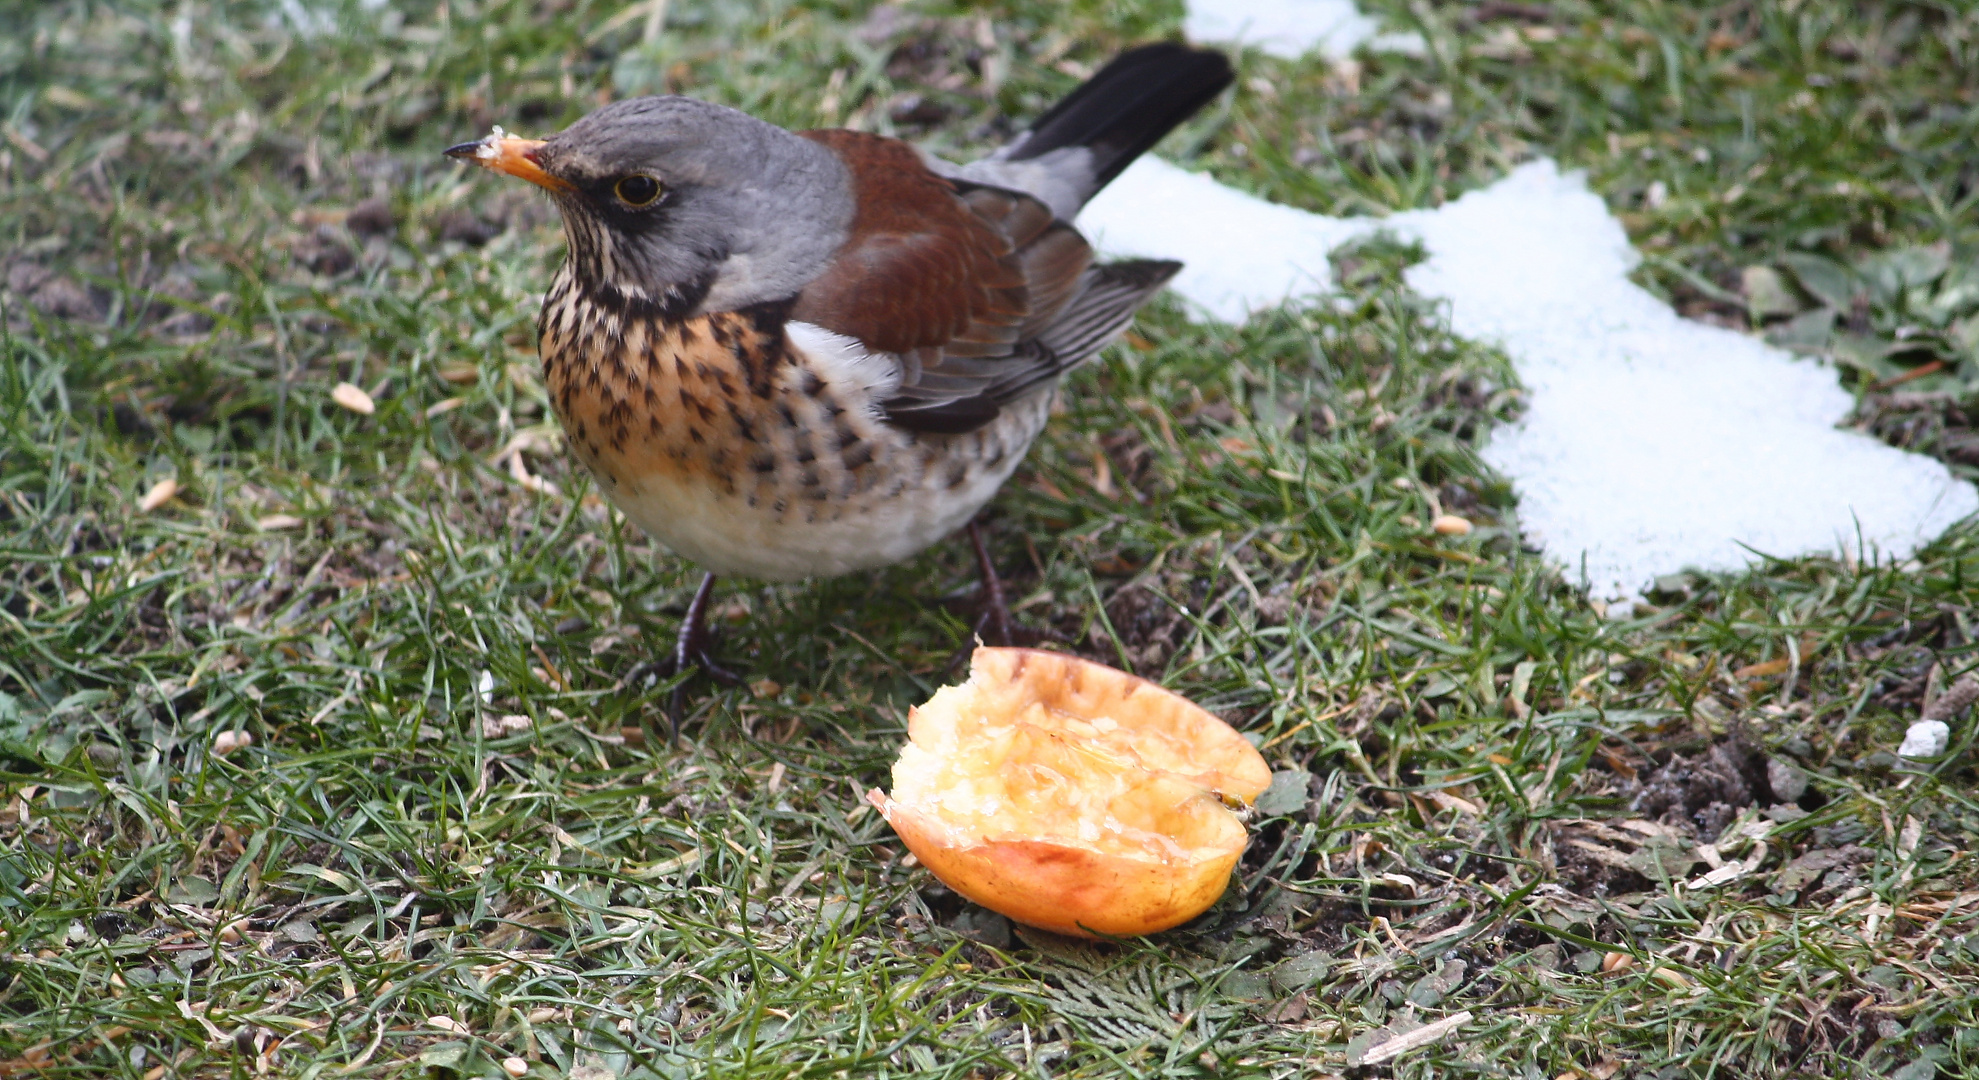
(676, 206)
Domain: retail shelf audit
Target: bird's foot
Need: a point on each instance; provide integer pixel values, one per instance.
(691, 651)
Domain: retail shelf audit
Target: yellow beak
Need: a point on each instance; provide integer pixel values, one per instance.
(512, 155)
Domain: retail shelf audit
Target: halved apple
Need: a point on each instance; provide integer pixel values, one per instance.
(1071, 796)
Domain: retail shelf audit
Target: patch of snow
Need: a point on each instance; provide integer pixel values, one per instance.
(1239, 253)
(1289, 29)
(1405, 43)
(316, 19)
(1650, 443)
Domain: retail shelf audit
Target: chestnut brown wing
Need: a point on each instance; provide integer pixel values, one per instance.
(957, 279)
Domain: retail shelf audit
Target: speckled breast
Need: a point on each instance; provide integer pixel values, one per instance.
(741, 453)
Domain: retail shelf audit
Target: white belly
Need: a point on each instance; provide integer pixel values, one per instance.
(724, 533)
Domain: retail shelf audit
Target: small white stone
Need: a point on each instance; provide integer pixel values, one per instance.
(1925, 739)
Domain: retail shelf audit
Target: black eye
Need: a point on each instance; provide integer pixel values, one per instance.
(637, 190)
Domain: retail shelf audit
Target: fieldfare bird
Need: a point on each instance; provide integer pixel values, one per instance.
(787, 354)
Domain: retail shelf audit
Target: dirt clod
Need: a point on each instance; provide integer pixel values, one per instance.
(1704, 791)
(324, 252)
(467, 228)
(1150, 629)
(53, 294)
(372, 217)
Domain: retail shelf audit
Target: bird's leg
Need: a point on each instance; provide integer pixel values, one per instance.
(695, 638)
(994, 626)
(691, 651)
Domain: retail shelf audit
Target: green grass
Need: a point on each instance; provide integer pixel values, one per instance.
(451, 808)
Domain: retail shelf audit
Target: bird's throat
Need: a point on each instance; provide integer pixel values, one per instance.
(606, 268)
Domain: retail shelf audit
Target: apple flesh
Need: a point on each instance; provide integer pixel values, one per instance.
(1071, 796)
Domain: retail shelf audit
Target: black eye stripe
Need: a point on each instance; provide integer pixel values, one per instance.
(637, 190)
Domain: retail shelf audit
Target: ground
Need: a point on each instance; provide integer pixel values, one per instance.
(325, 761)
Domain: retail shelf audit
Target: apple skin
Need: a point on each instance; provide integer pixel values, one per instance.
(1061, 888)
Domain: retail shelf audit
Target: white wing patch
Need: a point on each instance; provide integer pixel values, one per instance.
(845, 364)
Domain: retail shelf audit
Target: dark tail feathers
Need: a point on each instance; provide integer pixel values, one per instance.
(1124, 109)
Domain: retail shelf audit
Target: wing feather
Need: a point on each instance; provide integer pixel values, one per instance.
(979, 293)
